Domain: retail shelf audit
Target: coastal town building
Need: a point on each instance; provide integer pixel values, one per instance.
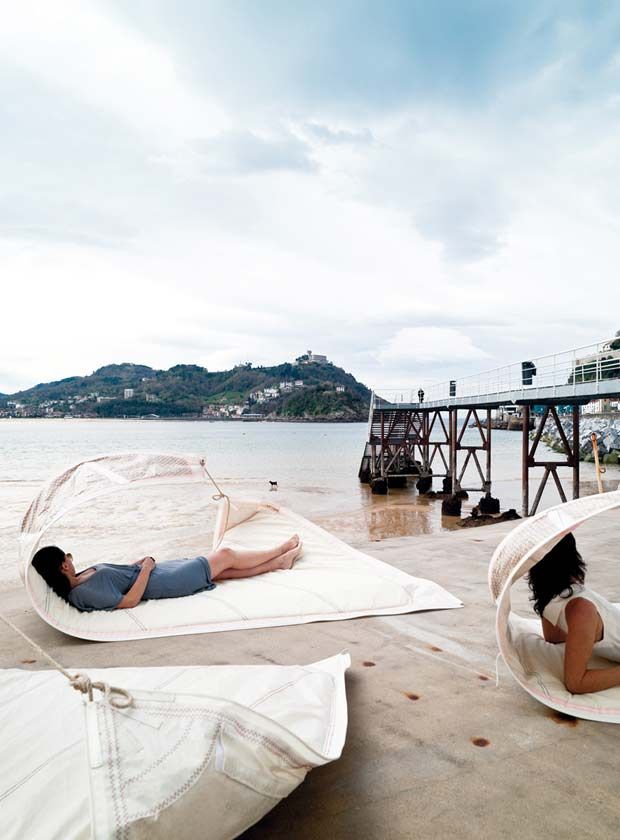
(220, 410)
(128, 394)
(602, 407)
(340, 389)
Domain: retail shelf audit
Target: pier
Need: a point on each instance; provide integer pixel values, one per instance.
(417, 437)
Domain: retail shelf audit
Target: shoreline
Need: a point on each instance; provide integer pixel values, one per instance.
(326, 420)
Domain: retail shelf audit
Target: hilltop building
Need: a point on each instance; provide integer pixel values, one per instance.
(128, 394)
(312, 358)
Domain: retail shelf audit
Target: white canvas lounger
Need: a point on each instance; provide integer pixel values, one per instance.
(202, 751)
(331, 581)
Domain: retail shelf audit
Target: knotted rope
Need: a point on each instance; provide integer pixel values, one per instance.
(117, 697)
(217, 497)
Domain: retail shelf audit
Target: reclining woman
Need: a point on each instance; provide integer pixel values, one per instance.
(573, 614)
(107, 586)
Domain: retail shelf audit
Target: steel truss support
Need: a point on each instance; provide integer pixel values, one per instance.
(528, 457)
(399, 445)
(438, 442)
(474, 452)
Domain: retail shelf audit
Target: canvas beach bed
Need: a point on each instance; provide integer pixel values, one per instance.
(332, 581)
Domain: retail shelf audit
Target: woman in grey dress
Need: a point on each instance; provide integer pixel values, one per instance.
(108, 586)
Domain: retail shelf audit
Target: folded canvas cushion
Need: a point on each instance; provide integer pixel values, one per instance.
(202, 750)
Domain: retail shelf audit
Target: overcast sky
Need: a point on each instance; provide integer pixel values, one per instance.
(419, 190)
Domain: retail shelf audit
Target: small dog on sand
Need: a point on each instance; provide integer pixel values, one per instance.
(274, 485)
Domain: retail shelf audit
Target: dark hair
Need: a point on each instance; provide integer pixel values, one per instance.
(47, 561)
(556, 572)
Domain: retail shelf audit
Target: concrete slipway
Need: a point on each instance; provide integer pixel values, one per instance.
(434, 749)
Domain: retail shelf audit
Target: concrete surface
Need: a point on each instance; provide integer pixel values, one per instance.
(434, 749)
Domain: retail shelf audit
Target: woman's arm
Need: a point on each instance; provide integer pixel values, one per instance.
(552, 634)
(582, 619)
(134, 595)
(140, 562)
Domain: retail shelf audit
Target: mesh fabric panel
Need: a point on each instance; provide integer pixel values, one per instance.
(545, 529)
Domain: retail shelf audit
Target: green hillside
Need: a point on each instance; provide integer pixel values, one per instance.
(191, 390)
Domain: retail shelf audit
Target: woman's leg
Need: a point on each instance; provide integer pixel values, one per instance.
(225, 559)
(284, 561)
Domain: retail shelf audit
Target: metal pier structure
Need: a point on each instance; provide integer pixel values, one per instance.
(415, 437)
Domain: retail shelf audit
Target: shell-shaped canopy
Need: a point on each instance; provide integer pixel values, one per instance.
(526, 544)
(96, 477)
(535, 664)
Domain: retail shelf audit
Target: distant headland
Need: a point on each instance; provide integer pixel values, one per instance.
(309, 389)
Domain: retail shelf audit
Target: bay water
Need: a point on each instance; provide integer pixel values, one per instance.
(315, 465)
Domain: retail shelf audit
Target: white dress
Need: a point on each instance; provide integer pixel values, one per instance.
(609, 646)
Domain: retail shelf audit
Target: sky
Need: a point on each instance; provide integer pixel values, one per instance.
(417, 190)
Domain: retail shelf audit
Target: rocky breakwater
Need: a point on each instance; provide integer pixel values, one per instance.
(607, 431)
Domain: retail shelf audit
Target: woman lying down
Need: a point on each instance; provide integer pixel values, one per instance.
(108, 586)
(576, 616)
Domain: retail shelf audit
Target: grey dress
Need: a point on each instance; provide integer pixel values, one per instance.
(172, 579)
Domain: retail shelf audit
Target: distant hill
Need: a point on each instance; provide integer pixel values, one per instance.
(130, 390)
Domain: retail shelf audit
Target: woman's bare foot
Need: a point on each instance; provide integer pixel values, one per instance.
(286, 560)
(289, 545)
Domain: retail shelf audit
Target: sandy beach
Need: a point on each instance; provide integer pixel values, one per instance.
(433, 749)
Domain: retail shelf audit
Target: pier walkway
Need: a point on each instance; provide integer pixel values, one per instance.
(419, 434)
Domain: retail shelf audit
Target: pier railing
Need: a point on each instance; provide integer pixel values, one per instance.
(589, 371)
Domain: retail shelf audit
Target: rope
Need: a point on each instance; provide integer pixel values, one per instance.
(497, 658)
(217, 497)
(117, 697)
(220, 493)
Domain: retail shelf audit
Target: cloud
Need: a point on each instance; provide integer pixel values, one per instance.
(464, 179)
(246, 153)
(340, 136)
(469, 226)
(429, 346)
(77, 47)
(48, 217)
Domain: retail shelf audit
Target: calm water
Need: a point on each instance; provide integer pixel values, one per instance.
(315, 466)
